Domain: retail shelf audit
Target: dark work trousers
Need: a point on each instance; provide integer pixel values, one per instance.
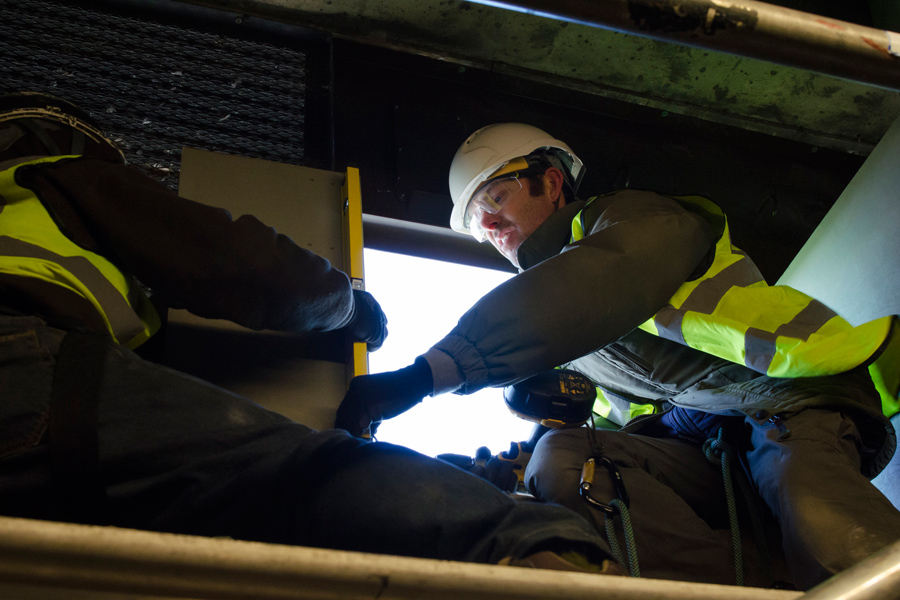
(830, 515)
(176, 454)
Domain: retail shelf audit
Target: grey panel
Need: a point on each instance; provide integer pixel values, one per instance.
(851, 260)
(301, 377)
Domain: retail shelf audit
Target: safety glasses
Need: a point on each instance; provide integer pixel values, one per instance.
(490, 199)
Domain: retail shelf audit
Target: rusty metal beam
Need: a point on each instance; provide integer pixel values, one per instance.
(742, 27)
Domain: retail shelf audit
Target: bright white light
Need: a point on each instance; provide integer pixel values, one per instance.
(423, 299)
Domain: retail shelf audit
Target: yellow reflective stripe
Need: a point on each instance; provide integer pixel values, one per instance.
(829, 354)
(650, 326)
(79, 275)
(706, 208)
(31, 245)
(641, 409)
(765, 307)
(723, 259)
(708, 334)
(815, 319)
(730, 312)
(577, 226)
(885, 372)
(149, 319)
(602, 405)
(837, 349)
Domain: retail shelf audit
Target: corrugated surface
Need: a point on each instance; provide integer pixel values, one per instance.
(156, 87)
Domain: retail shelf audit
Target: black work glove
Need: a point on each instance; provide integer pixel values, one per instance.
(373, 398)
(369, 323)
(492, 468)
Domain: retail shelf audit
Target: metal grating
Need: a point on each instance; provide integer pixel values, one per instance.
(157, 87)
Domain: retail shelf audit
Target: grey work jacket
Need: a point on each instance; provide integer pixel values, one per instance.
(197, 257)
(579, 304)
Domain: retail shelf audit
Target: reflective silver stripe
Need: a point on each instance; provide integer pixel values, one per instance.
(124, 321)
(808, 321)
(703, 299)
(668, 324)
(709, 292)
(760, 345)
(723, 303)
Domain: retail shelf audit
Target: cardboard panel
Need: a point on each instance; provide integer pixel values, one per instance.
(301, 377)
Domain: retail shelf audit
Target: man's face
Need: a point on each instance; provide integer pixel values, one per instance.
(519, 216)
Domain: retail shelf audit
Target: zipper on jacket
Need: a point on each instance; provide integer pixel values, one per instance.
(633, 422)
(631, 360)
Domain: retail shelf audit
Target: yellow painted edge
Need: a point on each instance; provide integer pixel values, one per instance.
(360, 363)
(351, 221)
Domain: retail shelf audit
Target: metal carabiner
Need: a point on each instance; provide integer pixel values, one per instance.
(587, 478)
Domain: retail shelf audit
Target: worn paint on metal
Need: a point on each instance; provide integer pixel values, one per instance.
(699, 17)
(893, 42)
(752, 94)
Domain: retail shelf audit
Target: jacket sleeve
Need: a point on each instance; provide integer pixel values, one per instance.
(641, 247)
(196, 256)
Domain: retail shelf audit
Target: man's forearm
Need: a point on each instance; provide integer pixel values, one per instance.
(197, 255)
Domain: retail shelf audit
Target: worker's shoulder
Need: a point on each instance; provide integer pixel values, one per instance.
(633, 201)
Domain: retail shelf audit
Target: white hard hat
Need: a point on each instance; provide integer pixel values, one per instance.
(486, 152)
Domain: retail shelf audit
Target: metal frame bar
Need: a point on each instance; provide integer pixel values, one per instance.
(55, 561)
(742, 27)
(431, 241)
(62, 560)
(876, 578)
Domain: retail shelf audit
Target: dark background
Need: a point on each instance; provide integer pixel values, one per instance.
(162, 75)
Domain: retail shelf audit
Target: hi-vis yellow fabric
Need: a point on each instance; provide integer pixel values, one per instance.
(732, 313)
(31, 245)
(616, 412)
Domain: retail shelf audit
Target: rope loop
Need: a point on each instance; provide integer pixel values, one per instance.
(718, 452)
(631, 560)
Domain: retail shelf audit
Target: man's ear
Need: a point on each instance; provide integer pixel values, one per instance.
(555, 180)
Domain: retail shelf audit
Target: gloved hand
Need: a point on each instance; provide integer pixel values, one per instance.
(369, 323)
(499, 472)
(373, 398)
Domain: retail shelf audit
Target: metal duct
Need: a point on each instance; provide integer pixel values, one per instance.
(154, 86)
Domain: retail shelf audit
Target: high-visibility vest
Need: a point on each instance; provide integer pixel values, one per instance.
(732, 313)
(32, 246)
(619, 410)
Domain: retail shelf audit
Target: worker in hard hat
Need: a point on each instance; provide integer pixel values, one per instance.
(92, 433)
(690, 350)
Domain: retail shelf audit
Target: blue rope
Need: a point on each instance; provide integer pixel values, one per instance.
(633, 568)
(613, 540)
(762, 547)
(718, 452)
